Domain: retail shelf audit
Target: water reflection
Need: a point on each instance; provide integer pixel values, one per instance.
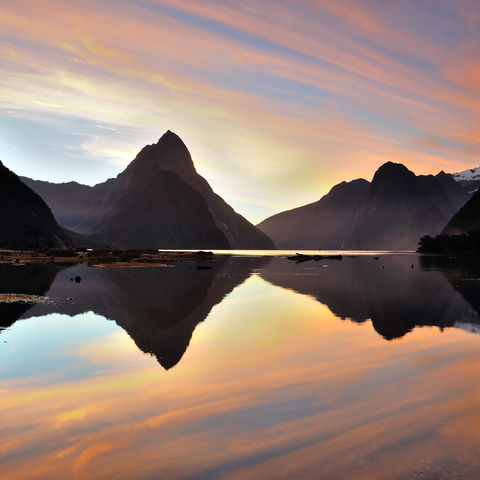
(397, 293)
(273, 385)
(158, 307)
(24, 279)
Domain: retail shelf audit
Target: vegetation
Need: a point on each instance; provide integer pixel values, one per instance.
(448, 244)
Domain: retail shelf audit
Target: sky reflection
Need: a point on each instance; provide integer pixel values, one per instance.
(271, 386)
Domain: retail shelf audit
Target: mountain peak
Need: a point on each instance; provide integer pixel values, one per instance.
(170, 136)
(168, 154)
(392, 174)
(393, 168)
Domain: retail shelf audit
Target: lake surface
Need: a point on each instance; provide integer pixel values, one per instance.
(256, 368)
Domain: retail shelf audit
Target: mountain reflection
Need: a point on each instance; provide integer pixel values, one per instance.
(396, 292)
(22, 279)
(158, 307)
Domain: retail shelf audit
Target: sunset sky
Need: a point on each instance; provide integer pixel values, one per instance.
(277, 101)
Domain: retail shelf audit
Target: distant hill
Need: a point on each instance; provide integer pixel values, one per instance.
(25, 219)
(324, 224)
(158, 201)
(400, 207)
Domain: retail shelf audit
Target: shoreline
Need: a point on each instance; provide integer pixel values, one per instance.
(104, 258)
(128, 258)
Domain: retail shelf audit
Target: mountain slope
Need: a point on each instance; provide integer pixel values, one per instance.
(186, 221)
(25, 219)
(466, 219)
(323, 224)
(399, 208)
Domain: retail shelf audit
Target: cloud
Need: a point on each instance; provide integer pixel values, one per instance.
(258, 90)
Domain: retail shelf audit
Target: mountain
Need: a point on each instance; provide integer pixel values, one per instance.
(158, 201)
(399, 208)
(466, 219)
(168, 209)
(391, 213)
(25, 219)
(469, 179)
(323, 224)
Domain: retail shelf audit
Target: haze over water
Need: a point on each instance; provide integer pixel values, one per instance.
(359, 368)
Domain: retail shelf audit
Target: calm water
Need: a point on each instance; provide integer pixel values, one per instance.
(256, 368)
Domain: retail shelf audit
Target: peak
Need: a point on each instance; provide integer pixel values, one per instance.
(170, 136)
(168, 154)
(392, 171)
(399, 167)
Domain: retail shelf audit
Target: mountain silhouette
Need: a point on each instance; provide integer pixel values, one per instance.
(466, 219)
(158, 307)
(25, 219)
(323, 224)
(390, 293)
(399, 208)
(158, 201)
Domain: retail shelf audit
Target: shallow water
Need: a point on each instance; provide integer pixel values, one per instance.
(359, 368)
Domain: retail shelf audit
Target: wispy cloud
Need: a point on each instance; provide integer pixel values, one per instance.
(270, 97)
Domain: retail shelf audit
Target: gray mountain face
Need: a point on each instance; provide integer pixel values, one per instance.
(158, 201)
(324, 224)
(26, 222)
(69, 202)
(458, 193)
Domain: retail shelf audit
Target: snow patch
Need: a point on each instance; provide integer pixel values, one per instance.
(467, 175)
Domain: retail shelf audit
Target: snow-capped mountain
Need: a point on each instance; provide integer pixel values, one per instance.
(469, 178)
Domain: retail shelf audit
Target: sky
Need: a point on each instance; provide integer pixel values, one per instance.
(277, 100)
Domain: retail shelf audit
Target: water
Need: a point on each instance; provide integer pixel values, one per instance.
(359, 368)
(284, 253)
